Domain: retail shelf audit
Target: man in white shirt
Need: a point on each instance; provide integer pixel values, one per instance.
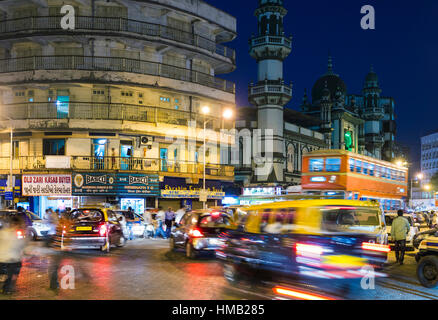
(160, 217)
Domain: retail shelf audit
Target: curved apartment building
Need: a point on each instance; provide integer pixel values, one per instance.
(114, 103)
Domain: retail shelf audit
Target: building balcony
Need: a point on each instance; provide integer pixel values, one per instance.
(266, 91)
(106, 111)
(374, 113)
(51, 25)
(118, 164)
(279, 47)
(113, 64)
(374, 139)
(270, 41)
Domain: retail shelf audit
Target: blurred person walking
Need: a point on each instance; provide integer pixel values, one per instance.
(160, 218)
(399, 230)
(12, 245)
(169, 218)
(179, 214)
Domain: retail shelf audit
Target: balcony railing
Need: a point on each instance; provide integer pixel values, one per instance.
(270, 88)
(124, 164)
(109, 24)
(270, 40)
(89, 63)
(107, 111)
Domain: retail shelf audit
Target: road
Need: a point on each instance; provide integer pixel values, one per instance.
(147, 270)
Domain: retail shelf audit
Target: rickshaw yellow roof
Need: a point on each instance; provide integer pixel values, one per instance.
(312, 203)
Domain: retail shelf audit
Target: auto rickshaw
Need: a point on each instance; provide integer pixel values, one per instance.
(318, 239)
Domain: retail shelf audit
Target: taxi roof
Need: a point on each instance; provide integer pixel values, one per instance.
(309, 203)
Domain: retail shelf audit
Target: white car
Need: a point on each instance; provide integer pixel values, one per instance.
(40, 228)
(389, 217)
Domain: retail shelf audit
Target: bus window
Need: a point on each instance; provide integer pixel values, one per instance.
(351, 163)
(377, 173)
(383, 172)
(371, 169)
(358, 166)
(316, 165)
(365, 168)
(393, 175)
(333, 164)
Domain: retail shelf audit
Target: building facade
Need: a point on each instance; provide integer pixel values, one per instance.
(429, 156)
(363, 123)
(115, 103)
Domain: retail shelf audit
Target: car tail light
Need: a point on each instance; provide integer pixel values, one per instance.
(308, 249)
(196, 233)
(102, 230)
(299, 294)
(375, 247)
(20, 234)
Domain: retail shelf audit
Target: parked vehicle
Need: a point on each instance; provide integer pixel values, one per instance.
(93, 228)
(201, 231)
(329, 239)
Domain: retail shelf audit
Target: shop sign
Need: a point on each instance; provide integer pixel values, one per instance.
(138, 185)
(94, 184)
(262, 191)
(190, 192)
(17, 187)
(46, 185)
(58, 162)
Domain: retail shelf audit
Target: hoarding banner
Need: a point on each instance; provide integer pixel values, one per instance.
(46, 185)
(17, 187)
(138, 185)
(94, 184)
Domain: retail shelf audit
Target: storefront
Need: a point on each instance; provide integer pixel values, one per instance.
(175, 192)
(127, 190)
(49, 191)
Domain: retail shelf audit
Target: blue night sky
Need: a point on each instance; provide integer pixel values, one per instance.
(403, 50)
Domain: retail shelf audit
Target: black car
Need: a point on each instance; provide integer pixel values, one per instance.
(201, 231)
(89, 228)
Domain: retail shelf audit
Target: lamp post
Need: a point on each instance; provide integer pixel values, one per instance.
(227, 114)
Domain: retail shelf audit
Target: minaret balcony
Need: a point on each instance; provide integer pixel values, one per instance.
(376, 140)
(270, 92)
(374, 113)
(263, 47)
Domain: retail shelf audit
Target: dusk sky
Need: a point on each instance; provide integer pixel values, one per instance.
(403, 50)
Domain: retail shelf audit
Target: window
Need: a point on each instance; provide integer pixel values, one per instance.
(333, 164)
(127, 94)
(99, 92)
(383, 172)
(54, 147)
(351, 164)
(164, 99)
(15, 149)
(365, 168)
(316, 165)
(20, 94)
(371, 169)
(358, 166)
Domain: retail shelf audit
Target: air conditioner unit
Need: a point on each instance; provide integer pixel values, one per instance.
(146, 141)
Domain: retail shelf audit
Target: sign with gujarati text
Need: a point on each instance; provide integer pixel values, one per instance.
(46, 185)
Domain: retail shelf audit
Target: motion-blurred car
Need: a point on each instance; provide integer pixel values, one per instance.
(413, 231)
(39, 229)
(313, 239)
(135, 225)
(93, 228)
(5, 216)
(201, 231)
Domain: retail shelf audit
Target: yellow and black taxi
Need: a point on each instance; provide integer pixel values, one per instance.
(92, 228)
(322, 239)
(201, 231)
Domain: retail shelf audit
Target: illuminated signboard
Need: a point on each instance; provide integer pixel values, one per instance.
(318, 179)
(265, 191)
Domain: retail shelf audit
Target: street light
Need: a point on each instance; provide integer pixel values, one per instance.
(227, 114)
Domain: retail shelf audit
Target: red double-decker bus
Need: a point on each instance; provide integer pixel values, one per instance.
(347, 175)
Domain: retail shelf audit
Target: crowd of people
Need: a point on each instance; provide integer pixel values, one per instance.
(160, 223)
